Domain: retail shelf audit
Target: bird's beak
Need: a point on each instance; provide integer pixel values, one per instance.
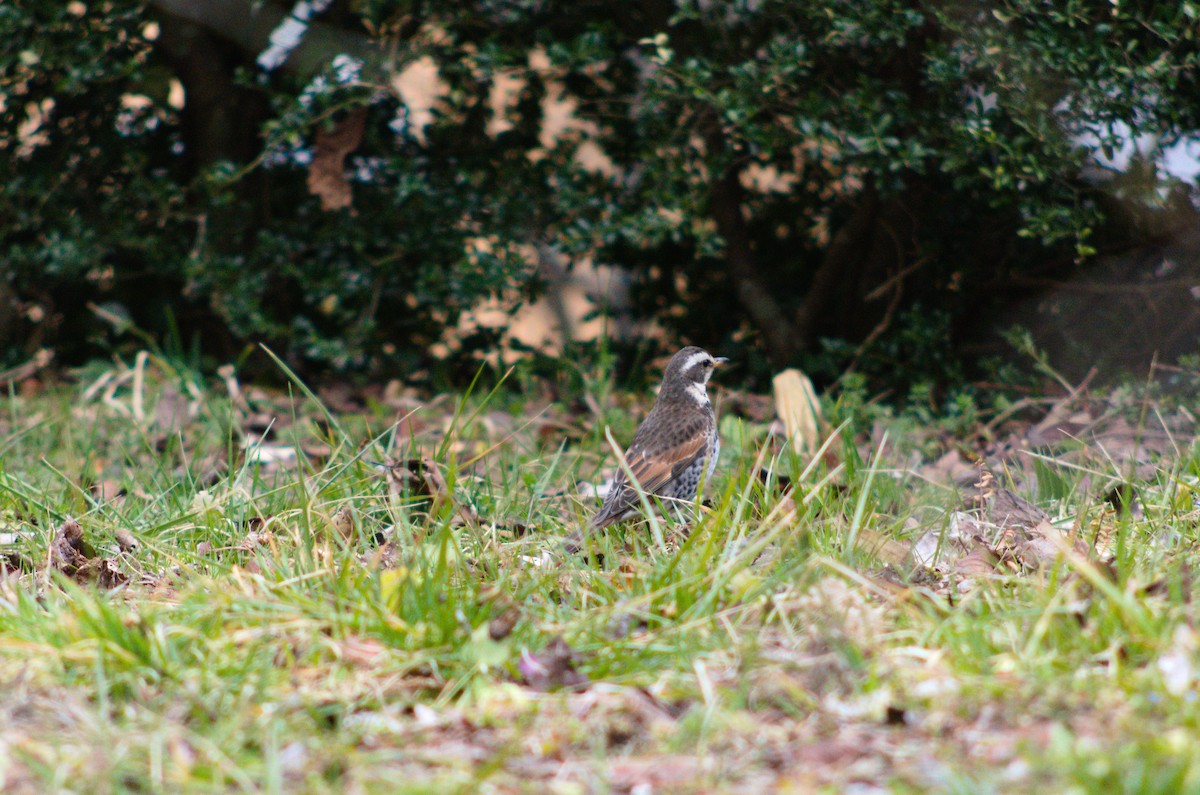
(720, 359)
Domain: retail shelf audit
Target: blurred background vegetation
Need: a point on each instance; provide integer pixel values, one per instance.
(386, 188)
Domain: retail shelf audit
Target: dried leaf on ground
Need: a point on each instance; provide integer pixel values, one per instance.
(1036, 547)
(888, 550)
(502, 625)
(72, 555)
(387, 556)
(952, 467)
(1080, 429)
(258, 537)
(1006, 509)
(797, 405)
(69, 553)
(409, 475)
(978, 563)
(939, 549)
(422, 476)
(1026, 536)
(1016, 535)
(109, 575)
(552, 668)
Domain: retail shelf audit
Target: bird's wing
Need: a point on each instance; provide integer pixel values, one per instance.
(654, 465)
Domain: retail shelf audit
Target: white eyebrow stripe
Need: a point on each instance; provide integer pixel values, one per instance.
(693, 360)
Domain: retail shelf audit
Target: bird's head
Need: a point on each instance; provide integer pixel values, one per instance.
(691, 365)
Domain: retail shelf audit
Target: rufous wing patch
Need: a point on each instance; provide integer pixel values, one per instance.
(655, 468)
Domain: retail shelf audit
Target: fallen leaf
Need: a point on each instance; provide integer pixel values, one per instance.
(888, 550)
(502, 625)
(552, 668)
(1037, 547)
(72, 555)
(797, 406)
(1006, 509)
(940, 548)
(950, 468)
(979, 562)
(422, 476)
(254, 538)
(387, 556)
(68, 551)
(1019, 532)
(109, 575)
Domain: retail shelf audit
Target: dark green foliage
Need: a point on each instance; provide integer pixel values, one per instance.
(862, 183)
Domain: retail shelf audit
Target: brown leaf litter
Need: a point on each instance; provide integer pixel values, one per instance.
(502, 625)
(552, 668)
(999, 533)
(422, 476)
(72, 555)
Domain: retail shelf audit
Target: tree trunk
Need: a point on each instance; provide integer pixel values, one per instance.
(725, 207)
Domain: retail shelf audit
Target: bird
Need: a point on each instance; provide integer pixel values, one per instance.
(675, 446)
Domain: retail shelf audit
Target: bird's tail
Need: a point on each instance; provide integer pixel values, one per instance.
(577, 540)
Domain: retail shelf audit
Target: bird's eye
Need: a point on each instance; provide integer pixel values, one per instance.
(708, 363)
